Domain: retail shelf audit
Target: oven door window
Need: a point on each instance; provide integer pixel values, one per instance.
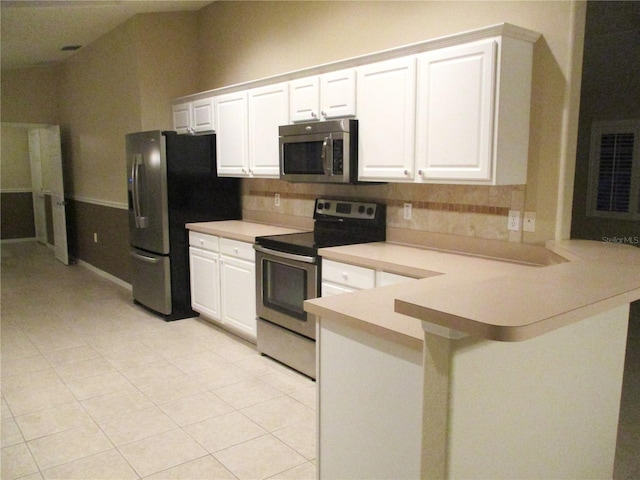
(284, 288)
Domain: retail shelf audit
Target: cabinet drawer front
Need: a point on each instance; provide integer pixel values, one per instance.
(386, 278)
(234, 248)
(348, 275)
(204, 241)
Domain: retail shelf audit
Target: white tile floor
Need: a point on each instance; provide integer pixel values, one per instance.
(94, 387)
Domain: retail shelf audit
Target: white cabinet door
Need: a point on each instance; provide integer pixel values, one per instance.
(454, 132)
(202, 116)
(232, 139)
(182, 117)
(338, 94)
(386, 99)
(305, 99)
(204, 271)
(194, 117)
(268, 109)
(238, 280)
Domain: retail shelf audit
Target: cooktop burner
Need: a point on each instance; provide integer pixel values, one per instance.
(337, 222)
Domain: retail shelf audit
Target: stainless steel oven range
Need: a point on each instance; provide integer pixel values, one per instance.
(288, 272)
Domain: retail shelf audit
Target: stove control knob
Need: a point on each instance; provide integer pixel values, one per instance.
(327, 205)
(370, 211)
(361, 209)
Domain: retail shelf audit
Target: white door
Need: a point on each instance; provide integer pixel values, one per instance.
(232, 139)
(268, 109)
(52, 159)
(238, 287)
(455, 112)
(304, 99)
(39, 212)
(338, 94)
(386, 99)
(205, 282)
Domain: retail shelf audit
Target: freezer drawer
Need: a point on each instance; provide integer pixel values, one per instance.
(151, 280)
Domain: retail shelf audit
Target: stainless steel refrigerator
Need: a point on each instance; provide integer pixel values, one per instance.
(172, 180)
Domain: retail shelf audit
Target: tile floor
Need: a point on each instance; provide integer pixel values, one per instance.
(94, 387)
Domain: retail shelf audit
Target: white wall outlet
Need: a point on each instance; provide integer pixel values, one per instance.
(276, 200)
(529, 222)
(514, 220)
(95, 237)
(406, 213)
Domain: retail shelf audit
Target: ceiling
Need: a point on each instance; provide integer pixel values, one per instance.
(34, 31)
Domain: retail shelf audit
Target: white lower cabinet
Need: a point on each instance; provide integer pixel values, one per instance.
(204, 271)
(238, 286)
(338, 278)
(222, 277)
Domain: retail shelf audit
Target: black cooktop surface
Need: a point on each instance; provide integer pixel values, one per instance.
(337, 222)
(308, 243)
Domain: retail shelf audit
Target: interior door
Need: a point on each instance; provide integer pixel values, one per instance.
(39, 212)
(52, 159)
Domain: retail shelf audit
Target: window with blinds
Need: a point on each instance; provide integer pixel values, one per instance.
(614, 170)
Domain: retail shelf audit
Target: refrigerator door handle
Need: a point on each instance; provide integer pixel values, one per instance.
(141, 222)
(144, 258)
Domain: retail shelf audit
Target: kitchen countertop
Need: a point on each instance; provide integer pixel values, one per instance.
(238, 229)
(488, 298)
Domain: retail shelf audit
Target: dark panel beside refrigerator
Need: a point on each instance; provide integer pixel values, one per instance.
(194, 193)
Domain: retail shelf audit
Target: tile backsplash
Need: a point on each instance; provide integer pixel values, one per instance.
(464, 210)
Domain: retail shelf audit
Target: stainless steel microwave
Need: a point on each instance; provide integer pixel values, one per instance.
(320, 152)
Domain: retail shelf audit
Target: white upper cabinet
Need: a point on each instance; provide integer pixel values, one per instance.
(247, 140)
(305, 99)
(268, 109)
(473, 113)
(232, 139)
(449, 110)
(455, 110)
(182, 117)
(194, 117)
(338, 94)
(331, 95)
(386, 98)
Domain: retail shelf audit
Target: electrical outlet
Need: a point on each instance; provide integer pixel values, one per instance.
(529, 222)
(514, 220)
(407, 211)
(276, 200)
(95, 237)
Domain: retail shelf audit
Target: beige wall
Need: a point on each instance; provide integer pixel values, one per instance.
(15, 171)
(122, 83)
(167, 57)
(126, 80)
(30, 95)
(243, 41)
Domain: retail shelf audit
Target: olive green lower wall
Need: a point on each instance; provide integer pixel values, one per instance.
(17, 216)
(111, 252)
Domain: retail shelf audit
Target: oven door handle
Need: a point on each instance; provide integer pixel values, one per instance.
(288, 256)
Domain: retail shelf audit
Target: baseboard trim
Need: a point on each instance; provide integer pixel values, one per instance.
(18, 240)
(104, 274)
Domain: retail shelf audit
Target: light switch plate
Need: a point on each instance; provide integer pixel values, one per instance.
(276, 200)
(514, 220)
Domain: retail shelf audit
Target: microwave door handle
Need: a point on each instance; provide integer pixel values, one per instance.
(326, 159)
